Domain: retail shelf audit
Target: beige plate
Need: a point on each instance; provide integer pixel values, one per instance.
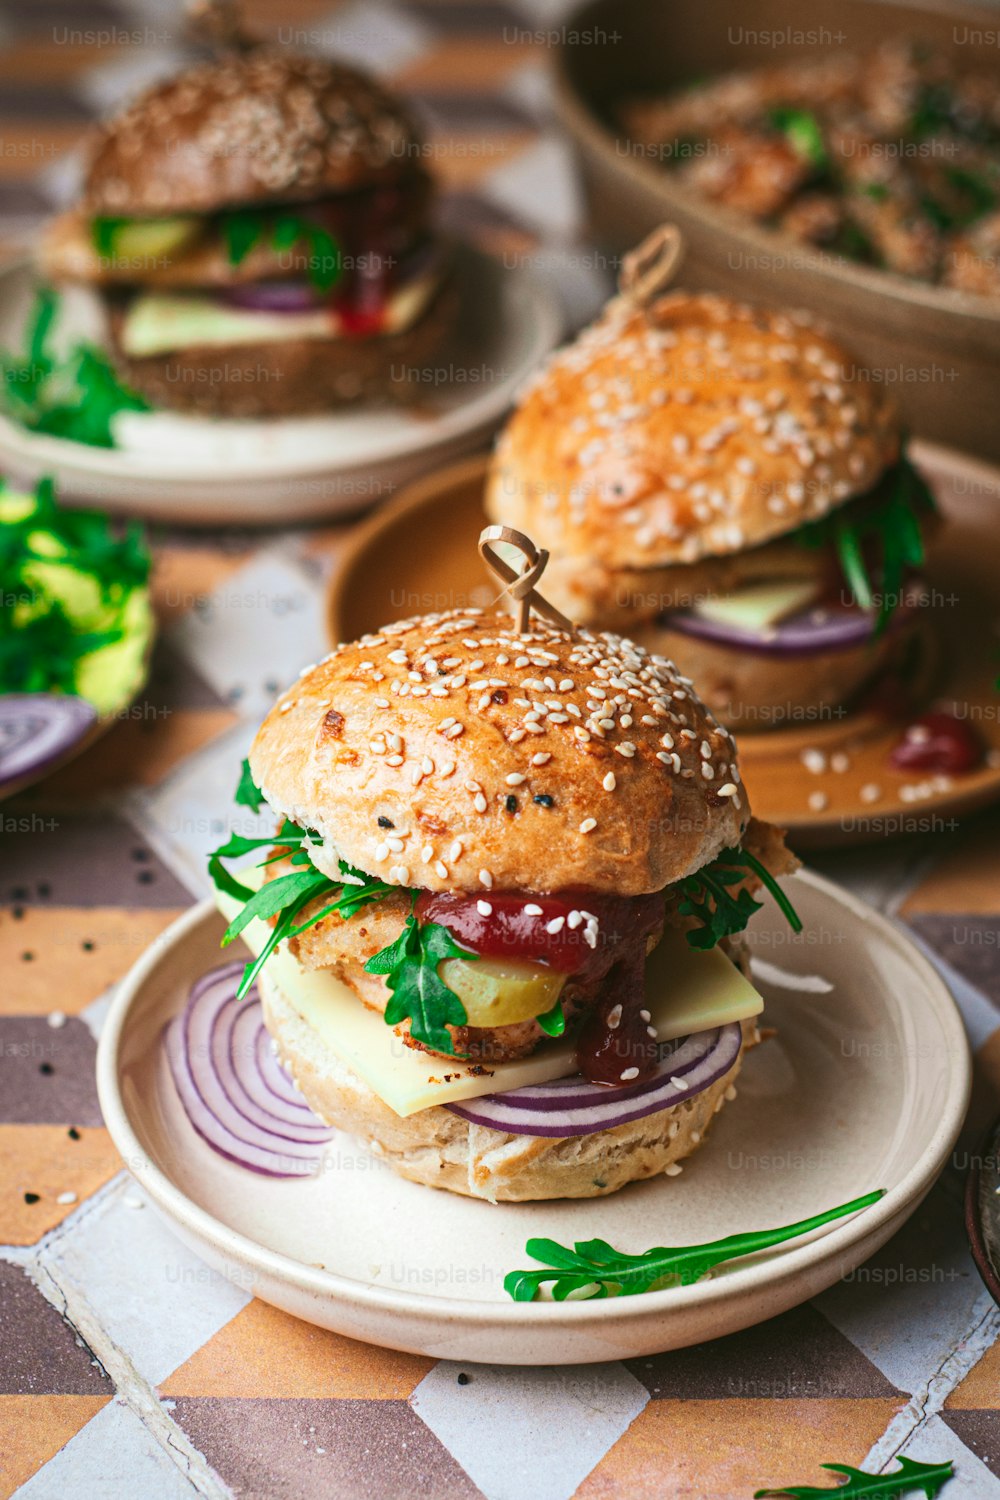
(195, 471)
(864, 1086)
(420, 554)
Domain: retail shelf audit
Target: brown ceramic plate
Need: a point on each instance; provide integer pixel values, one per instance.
(937, 346)
(982, 1211)
(419, 554)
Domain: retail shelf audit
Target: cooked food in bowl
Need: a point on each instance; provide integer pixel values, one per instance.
(892, 159)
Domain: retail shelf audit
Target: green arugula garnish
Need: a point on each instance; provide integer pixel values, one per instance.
(74, 396)
(67, 579)
(610, 1272)
(804, 134)
(910, 1475)
(553, 1022)
(242, 231)
(248, 793)
(889, 527)
(419, 994)
(706, 896)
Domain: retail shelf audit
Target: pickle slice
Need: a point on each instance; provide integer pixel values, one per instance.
(146, 239)
(502, 991)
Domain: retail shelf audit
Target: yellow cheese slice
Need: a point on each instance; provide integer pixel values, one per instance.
(686, 991)
(162, 322)
(759, 605)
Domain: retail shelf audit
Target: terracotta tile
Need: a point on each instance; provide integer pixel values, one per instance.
(42, 1354)
(323, 1450)
(47, 1161)
(724, 1450)
(967, 879)
(265, 1352)
(26, 150)
(76, 953)
(459, 162)
(140, 750)
(184, 577)
(36, 58)
(799, 1355)
(467, 64)
(981, 1387)
(33, 1428)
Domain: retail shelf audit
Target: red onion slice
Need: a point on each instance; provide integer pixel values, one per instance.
(213, 1048)
(815, 630)
(702, 1060)
(36, 729)
(275, 297)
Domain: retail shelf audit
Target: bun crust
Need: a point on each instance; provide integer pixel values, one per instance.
(440, 1149)
(690, 428)
(451, 753)
(258, 127)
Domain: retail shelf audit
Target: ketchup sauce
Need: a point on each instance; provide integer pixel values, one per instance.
(938, 742)
(588, 936)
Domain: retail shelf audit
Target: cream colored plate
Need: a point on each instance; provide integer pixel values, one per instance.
(864, 1086)
(197, 471)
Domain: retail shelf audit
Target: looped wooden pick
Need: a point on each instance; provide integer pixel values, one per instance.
(220, 25)
(520, 586)
(651, 267)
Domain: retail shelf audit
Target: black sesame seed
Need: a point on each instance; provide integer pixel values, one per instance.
(45, 889)
(46, 1068)
(73, 1133)
(87, 946)
(18, 913)
(27, 957)
(511, 803)
(145, 877)
(31, 1197)
(544, 800)
(462, 1378)
(140, 854)
(386, 823)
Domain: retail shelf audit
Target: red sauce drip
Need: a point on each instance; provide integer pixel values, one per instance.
(604, 1050)
(376, 230)
(938, 742)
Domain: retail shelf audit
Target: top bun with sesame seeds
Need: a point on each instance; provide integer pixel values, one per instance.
(688, 427)
(251, 127)
(452, 753)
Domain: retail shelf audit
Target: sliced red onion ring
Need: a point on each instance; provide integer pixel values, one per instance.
(213, 1048)
(36, 729)
(570, 1106)
(275, 296)
(813, 630)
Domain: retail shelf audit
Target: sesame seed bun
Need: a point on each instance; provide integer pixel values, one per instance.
(689, 428)
(451, 753)
(440, 1149)
(257, 127)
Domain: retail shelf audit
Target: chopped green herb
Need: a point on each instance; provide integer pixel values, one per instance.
(74, 396)
(860, 1485)
(596, 1269)
(248, 793)
(804, 134)
(242, 231)
(706, 896)
(553, 1022)
(419, 994)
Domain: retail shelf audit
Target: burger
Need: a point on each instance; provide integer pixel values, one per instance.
(258, 232)
(498, 930)
(728, 486)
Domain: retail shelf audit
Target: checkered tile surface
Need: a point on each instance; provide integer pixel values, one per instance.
(126, 1368)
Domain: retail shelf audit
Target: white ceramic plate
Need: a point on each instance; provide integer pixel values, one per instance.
(864, 1086)
(199, 471)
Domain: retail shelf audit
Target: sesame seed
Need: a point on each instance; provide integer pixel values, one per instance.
(614, 1017)
(541, 758)
(556, 925)
(729, 790)
(588, 825)
(441, 869)
(486, 879)
(629, 1074)
(479, 802)
(484, 908)
(674, 1170)
(514, 779)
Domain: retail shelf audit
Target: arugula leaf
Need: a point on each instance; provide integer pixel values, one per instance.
(553, 1022)
(611, 1272)
(241, 232)
(419, 994)
(706, 896)
(889, 527)
(804, 134)
(910, 1475)
(248, 793)
(73, 396)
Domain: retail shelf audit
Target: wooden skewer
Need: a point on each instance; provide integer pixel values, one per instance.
(651, 266)
(520, 587)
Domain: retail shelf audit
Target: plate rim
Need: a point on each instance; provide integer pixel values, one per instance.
(546, 324)
(328, 1285)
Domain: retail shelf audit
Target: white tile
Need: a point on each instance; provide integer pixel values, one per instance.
(915, 1301)
(519, 1432)
(152, 1296)
(532, 87)
(540, 188)
(94, 1014)
(934, 1442)
(112, 1458)
(112, 84)
(255, 633)
(192, 811)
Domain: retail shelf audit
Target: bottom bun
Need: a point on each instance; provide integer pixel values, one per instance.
(298, 377)
(440, 1149)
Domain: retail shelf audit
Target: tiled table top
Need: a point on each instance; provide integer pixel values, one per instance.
(127, 1368)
